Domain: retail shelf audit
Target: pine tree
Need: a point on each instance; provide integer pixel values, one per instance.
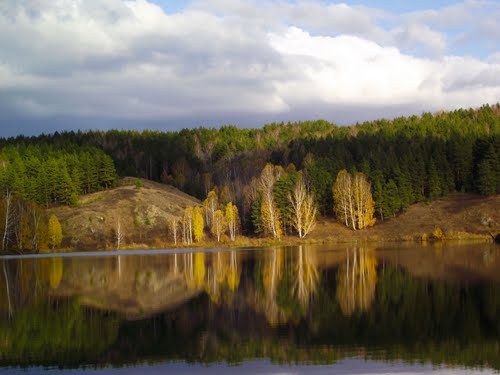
(392, 200)
(107, 172)
(487, 178)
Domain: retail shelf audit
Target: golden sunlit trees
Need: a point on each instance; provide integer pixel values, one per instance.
(270, 218)
(198, 224)
(303, 208)
(363, 201)
(210, 205)
(55, 232)
(342, 196)
(218, 225)
(354, 205)
(232, 220)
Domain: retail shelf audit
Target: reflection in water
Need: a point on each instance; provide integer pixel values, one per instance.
(303, 304)
(56, 271)
(306, 275)
(356, 281)
(272, 272)
(223, 275)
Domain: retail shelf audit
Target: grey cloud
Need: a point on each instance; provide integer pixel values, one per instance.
(213, 63)
(488, 77)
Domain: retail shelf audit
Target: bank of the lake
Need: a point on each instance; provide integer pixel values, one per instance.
(93, 223)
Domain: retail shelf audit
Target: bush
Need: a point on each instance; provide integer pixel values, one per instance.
(437, 234)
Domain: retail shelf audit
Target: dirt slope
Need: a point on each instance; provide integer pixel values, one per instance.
(459, 216)
(143, 214)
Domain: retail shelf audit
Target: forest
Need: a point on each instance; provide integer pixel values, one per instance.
(403, 161)
(36, 176)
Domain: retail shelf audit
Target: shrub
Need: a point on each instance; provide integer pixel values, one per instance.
(437, 234)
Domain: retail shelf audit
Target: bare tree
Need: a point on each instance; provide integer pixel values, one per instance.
(36, 218)
(119, 235)
(269, 212)
(173, 228)
(218, 224)
(187, 226)
(342, 193)
(304, 209)
(8, 219)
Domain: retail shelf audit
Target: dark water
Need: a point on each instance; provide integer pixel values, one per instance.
(309, 309)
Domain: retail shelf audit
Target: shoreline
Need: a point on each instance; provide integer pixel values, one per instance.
(250, 243)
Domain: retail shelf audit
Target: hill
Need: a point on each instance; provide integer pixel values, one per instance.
(143, 209)
(459, 216)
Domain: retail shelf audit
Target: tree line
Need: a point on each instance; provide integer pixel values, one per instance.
(405, 160)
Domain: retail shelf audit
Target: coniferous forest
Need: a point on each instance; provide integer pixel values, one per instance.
(405, 160)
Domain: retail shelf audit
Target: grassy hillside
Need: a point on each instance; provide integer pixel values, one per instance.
(143, 209)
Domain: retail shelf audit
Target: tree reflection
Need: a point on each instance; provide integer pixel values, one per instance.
(306, 275)
(356, 281)
(223, 274)
(271, 275)
(56, 272)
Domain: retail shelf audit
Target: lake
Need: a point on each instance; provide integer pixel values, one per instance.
(315, 309)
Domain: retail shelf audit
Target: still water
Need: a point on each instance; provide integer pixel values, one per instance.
(310, 309)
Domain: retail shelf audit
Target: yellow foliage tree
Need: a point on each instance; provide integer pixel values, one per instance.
(54, 232)
(210, 205)
(198, 224)
(354, 205)
(218, 225)
(232, 220)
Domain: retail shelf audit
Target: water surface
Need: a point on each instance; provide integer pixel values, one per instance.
(308, 309)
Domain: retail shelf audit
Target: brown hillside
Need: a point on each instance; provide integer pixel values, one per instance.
(458, 216)
(143, 213)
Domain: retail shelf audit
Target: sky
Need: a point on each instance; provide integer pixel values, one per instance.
(159, 64)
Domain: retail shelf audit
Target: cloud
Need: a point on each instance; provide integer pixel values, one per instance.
(106, 62)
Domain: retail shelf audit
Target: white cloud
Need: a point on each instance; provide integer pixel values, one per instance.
(130, 60)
